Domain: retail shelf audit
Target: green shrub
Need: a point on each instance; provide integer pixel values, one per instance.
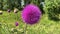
(6, 4)
(10, 4)
(1, 4)
(52, 8)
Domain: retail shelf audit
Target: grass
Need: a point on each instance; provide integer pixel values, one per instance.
(45, 26)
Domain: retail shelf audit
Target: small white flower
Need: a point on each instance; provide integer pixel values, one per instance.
(0, 12)
(12, 29)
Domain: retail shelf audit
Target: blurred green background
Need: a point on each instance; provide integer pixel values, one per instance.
(48, 24)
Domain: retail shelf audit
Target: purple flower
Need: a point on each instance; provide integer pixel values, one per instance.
(9, 10)
(16, 23)
(31, 14)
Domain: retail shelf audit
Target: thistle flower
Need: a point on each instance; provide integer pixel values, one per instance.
(31, 14)
(9, 10)
(16, 23)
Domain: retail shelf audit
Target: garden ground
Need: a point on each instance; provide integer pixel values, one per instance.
(45, 26)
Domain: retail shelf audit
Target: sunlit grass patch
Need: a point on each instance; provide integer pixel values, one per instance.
(45, 26)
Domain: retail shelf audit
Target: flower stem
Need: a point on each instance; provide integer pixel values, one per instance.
(25, 29)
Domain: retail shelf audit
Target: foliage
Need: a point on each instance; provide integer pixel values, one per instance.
(1, 4)
(52, 7)
(7, 4)
(10, 4)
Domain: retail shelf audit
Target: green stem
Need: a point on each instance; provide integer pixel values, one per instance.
(25, 29)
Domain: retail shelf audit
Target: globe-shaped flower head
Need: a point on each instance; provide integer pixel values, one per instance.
(31, 14)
